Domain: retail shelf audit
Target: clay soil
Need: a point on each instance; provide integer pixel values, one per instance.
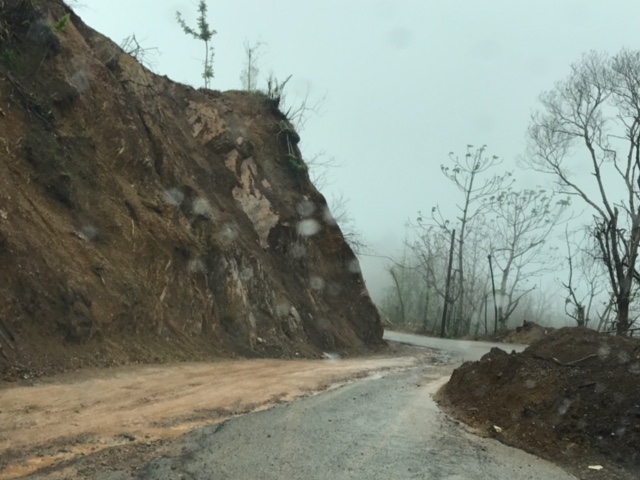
(106, 412)
(572, 397)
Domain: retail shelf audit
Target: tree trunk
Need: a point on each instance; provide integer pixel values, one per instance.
(425, 315)
(448, 286)
(495, 304)
(622, 319)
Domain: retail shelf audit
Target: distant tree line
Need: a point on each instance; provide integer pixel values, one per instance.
(457, 274)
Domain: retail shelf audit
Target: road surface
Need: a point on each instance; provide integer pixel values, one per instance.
(383, 427)
(459, 350)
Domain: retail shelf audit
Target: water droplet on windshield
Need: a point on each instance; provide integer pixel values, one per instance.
(196, 266)
(246, 274)
(173, 196)
(227, 235)
(298, 250)
(88, 232)
(328, 217)
(354, 266)
(202, 207)
(80, 80)
(623, 357)
(562, 409)
(306, 208)
(308, 227)
(604, 351)
(316, 283)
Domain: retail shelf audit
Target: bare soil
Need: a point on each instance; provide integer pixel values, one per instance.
(60, 418)
(145, 221)
(572, 397)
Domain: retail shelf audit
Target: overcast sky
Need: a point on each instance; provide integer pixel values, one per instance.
(406, 81)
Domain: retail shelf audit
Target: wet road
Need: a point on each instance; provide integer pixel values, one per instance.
(458, 350)
(379, 428)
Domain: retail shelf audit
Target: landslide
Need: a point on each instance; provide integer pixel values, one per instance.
(142, 220)
(572, 397)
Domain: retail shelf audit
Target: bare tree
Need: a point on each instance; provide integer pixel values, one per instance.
(340, 213)
(584, 279)
(521, 223)
(251, 70)
(131, 46)
(467, 175)
(597, 108)
(320, 167)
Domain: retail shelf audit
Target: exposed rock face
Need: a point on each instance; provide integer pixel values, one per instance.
(143, 220)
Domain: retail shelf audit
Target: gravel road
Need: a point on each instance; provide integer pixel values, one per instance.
(380, 428)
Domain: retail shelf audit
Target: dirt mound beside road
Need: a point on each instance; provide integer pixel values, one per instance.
(572, 397)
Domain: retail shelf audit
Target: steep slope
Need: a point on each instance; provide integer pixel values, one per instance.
(143, 220)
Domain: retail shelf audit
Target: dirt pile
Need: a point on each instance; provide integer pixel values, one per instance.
(572, 397)
(526, 334)
(142, 220)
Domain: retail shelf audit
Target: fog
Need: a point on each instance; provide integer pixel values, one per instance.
(400, 84)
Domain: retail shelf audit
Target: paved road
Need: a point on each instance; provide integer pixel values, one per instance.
(379, 428)
(459, 350)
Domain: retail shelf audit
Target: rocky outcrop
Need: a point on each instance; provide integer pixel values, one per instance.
(144, 220)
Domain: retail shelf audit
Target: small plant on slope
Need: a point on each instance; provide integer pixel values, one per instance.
(204, 33)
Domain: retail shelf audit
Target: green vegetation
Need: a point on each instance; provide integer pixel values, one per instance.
(296, 164)
(61, 24)
(295, 161)
(9, 58)
(202, 32)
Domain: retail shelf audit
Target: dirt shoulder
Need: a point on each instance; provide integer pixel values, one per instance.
(92, 410)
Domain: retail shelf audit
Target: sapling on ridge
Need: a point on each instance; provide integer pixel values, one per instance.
(202, 32)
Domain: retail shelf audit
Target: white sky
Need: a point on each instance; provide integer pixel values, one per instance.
(407, 81)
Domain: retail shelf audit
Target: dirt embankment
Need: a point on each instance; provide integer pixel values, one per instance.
(572, 397)
(142, 220)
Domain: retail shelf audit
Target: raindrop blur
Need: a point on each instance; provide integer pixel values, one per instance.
(623, 357)
(306, 208)
(80, 80)
(530, 383)
(333, 289)
(604, 351)
(246, 274)
(566, 403)
(228, 235)
(202, 207)
(282, 309)
(196, 266)
(635, 368)
(298, 250)
(354, 266)
(88, 232)
(308, 227)
(316, 283)
(400, 38)
(328, 217)
(334, 357)
(173, 196)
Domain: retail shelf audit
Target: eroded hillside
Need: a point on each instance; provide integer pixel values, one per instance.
(144, 220)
